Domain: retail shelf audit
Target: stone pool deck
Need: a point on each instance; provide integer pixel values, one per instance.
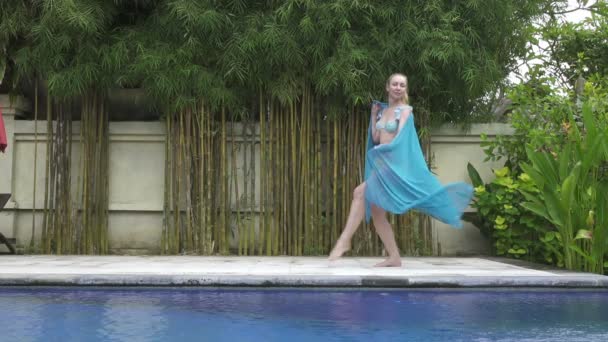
(285, 271)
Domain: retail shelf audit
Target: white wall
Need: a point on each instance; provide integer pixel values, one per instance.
(452, 149)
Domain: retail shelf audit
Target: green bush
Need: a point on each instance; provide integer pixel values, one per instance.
(514, 231)
(549, 203)
(572, 188)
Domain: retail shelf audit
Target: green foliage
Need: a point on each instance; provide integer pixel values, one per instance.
(514, 231)
(560, 144)
(14, 20)
(572, 189)
(229, 51)
(573, 49)
(555, 89)
(538, 118)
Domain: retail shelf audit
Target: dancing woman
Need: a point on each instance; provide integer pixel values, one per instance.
(397, 177)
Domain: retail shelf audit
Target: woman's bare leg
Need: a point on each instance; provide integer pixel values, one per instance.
(355, 216)
(385, 231)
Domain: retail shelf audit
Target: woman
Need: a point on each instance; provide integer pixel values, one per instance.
(397, 177)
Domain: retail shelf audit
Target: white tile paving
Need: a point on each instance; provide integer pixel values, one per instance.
(284, 271)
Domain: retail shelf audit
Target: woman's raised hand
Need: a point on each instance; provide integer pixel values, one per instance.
(376, 106)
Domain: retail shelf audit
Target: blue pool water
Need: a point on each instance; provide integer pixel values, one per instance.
(194, 314)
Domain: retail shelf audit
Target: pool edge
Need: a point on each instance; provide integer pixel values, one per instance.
(208, 280)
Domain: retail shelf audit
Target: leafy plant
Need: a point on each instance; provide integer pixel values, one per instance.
(537, 117)
(513, 230)
(569, 184)
(572, 50)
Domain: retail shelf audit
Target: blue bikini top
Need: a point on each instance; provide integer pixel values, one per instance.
(390, 126)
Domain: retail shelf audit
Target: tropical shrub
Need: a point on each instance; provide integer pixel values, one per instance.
(513, 230)
(556, 161)
(572, 194)
(537, 117)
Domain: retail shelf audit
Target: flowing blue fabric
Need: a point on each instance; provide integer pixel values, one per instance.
(398, 179)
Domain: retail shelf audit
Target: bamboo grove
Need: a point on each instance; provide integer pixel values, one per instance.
(265, 103)
(277, 184)
(76, 222)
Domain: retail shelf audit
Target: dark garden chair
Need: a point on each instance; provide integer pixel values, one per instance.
(3, 240)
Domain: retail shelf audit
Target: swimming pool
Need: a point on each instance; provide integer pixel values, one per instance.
(248, 314)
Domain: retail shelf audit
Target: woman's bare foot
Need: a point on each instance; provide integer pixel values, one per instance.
(390, 262)
(339, 249)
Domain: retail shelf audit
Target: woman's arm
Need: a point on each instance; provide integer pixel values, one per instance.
(405, 113)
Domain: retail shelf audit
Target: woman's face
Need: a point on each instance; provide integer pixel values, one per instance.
(396, 87)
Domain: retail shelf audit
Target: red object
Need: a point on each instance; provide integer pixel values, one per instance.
(3, 141)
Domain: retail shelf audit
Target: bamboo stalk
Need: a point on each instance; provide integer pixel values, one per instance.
(35, 166)
(187, 174)
(275, 190)
(261, 217)
(58, 222)
(290, 195)
(47, 183)
(281, 199)
(206, 181)
(285, 202)
(66, 210)
(97, 181)
(77, 212)
(53, 189)
(201, 181)
(181, 171)
(235, 182)
(346, 185)
(244, 232)
(167, 206)
(336, 229)
(319, 200)
(82, 179)
(312, 214)
(295, 181)
(248, 161)
(212, 190)
(264, 192)
(223, 191)
(105, 178)
(166, 202)
(252, 176)
(288, 182)
(226, 180)
(174, 186)
(305, 162)
(269, 212)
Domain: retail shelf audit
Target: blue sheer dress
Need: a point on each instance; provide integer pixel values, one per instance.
(398, 179)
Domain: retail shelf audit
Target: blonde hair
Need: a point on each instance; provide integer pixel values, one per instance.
(406, 97)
